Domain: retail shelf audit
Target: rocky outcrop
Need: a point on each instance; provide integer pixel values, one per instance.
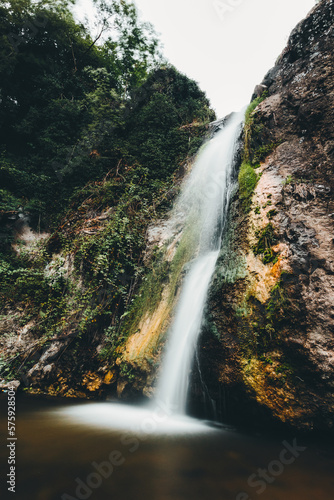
(272, 302)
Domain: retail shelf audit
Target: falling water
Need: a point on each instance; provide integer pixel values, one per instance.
(203, 207)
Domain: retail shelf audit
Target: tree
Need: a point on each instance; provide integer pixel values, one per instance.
(58, 84)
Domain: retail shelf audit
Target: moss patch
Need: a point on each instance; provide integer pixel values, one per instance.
(250, 127)
(163, 274)
(148, 297)
(253, 105)
(258, 144)
(247, 182)
(263, 247)
(261, 153)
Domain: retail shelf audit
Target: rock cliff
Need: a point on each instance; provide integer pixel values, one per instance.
(271, 310)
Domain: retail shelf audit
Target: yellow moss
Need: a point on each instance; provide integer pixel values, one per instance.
(144, 342)
(108, 378)
(263, 380)
(72, 393)
(92, 381)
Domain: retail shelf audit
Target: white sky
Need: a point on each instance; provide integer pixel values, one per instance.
(227, 46)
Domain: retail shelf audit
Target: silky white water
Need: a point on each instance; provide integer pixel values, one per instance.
(203, 206)
(201, 209)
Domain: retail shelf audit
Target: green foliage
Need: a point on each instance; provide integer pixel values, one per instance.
(257, 145)
(249, 125)
(127, 372)
(278, 301)
(263, 247)
(288, 180)
(8, 202)
(112, 339)
(247, 183)
(286, 369)
(148, 295)
(161, 141)
(251, 158)
(62, 94)
(253, 105)
(261, 153)
(9, 368)
(262, 326)
(271, 214)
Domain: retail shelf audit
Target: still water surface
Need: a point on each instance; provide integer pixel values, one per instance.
(58, 441)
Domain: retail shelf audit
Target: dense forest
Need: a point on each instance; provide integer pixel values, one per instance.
(94, 128)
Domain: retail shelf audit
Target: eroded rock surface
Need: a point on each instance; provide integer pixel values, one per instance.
(274, 319)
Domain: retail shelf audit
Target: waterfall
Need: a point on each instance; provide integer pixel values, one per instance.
(202, 206)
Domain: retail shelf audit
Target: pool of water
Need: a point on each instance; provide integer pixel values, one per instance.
(106, 451)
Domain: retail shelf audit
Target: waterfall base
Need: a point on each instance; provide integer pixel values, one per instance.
(141, 421)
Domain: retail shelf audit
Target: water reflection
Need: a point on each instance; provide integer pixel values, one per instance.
(58, 450)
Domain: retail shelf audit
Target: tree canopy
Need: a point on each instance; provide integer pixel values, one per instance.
(73, 104)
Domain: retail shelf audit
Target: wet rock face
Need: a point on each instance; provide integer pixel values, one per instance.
(299, 114)
(280, 315)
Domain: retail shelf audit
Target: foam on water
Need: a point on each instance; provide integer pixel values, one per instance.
(139, 420)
